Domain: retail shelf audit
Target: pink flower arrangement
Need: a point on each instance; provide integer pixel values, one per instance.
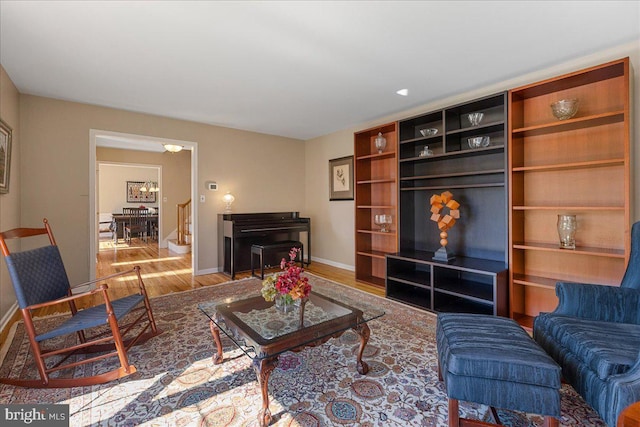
(290, 283)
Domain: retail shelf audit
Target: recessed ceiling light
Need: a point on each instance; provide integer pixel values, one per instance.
(403, 92)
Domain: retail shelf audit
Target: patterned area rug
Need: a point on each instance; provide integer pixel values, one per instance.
(178, 385)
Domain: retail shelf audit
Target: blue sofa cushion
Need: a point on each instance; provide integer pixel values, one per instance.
(608, 348)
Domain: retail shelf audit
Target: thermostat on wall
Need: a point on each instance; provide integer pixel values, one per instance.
(213, 186)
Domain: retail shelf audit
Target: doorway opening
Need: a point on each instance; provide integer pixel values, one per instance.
(121, 143)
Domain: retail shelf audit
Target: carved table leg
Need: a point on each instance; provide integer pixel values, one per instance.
(363, 332)
(263, 369)
(218, 357)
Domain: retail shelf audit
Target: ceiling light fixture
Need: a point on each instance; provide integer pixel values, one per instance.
(173, 148)
(403, 92)
(228, 199)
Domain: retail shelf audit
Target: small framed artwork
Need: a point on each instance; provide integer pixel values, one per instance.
(5, 156)
(134, 195)
(341, 178)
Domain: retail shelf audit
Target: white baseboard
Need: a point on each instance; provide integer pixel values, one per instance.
(208, 271)
(8, 315)
(334, 264)
(83, 288)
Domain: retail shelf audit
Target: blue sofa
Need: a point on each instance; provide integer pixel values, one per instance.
(594, 335)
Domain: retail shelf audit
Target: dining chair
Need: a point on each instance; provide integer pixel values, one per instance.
(137, 225)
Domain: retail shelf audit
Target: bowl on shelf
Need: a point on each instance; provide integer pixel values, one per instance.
(565, 108)
(479, 141)
(428, 132)
(475, 118)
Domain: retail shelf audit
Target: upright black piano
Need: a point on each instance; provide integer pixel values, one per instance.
(240, 231)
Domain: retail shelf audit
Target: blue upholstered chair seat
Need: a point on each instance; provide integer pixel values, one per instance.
(93, 316)
(493, 361)
(502, 352)
(608, 348)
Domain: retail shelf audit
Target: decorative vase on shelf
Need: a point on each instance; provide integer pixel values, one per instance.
(380, 142)
(567, 231)
(383, 221)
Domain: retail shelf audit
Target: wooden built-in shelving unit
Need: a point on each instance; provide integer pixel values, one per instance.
(577, 166)
(375, 193)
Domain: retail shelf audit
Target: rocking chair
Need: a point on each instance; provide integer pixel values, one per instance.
(40, 280)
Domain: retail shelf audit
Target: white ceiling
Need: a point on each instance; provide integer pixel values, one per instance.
(295, 69)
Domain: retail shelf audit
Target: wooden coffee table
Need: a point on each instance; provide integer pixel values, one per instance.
(263, 333)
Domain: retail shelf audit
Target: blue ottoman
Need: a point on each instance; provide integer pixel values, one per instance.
(493, 361)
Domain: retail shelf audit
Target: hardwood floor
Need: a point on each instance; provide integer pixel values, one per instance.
(165, 272)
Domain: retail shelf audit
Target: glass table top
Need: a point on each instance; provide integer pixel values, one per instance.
(260, 330)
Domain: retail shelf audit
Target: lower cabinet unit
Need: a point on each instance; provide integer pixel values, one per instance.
(465, 284)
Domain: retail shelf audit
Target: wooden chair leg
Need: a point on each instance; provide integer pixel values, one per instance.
(454, 415)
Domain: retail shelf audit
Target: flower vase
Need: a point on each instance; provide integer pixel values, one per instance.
(567, 231)
(285, 303)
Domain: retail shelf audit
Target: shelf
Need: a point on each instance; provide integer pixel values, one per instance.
(582, 250)
(535, 281)
(375, 207)
(445, 187)
(457, 153)
(524, 320)
(568, 208)
(372, 254)
(483, 128)
(467, 289)
(462, 305)
(473, 265)
(571, 124)
(372, 280)
(453, 175)
(380, 233)
(412, 279)
(377, 181)
(572, 165)
(376, 156)
(422, 139)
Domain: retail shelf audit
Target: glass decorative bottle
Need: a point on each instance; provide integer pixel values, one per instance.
(567, 231)
(381, 142)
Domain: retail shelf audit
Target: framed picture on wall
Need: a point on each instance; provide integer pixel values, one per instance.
(341, 178)
(5, 156)
(135, 195)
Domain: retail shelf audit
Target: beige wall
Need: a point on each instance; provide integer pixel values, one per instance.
(175, 180)
(333, 222)
(9, 202)
(262, 171)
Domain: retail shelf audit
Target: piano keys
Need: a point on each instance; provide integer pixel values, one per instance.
(239, 231)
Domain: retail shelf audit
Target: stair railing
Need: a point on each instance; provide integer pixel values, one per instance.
(184, 218)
